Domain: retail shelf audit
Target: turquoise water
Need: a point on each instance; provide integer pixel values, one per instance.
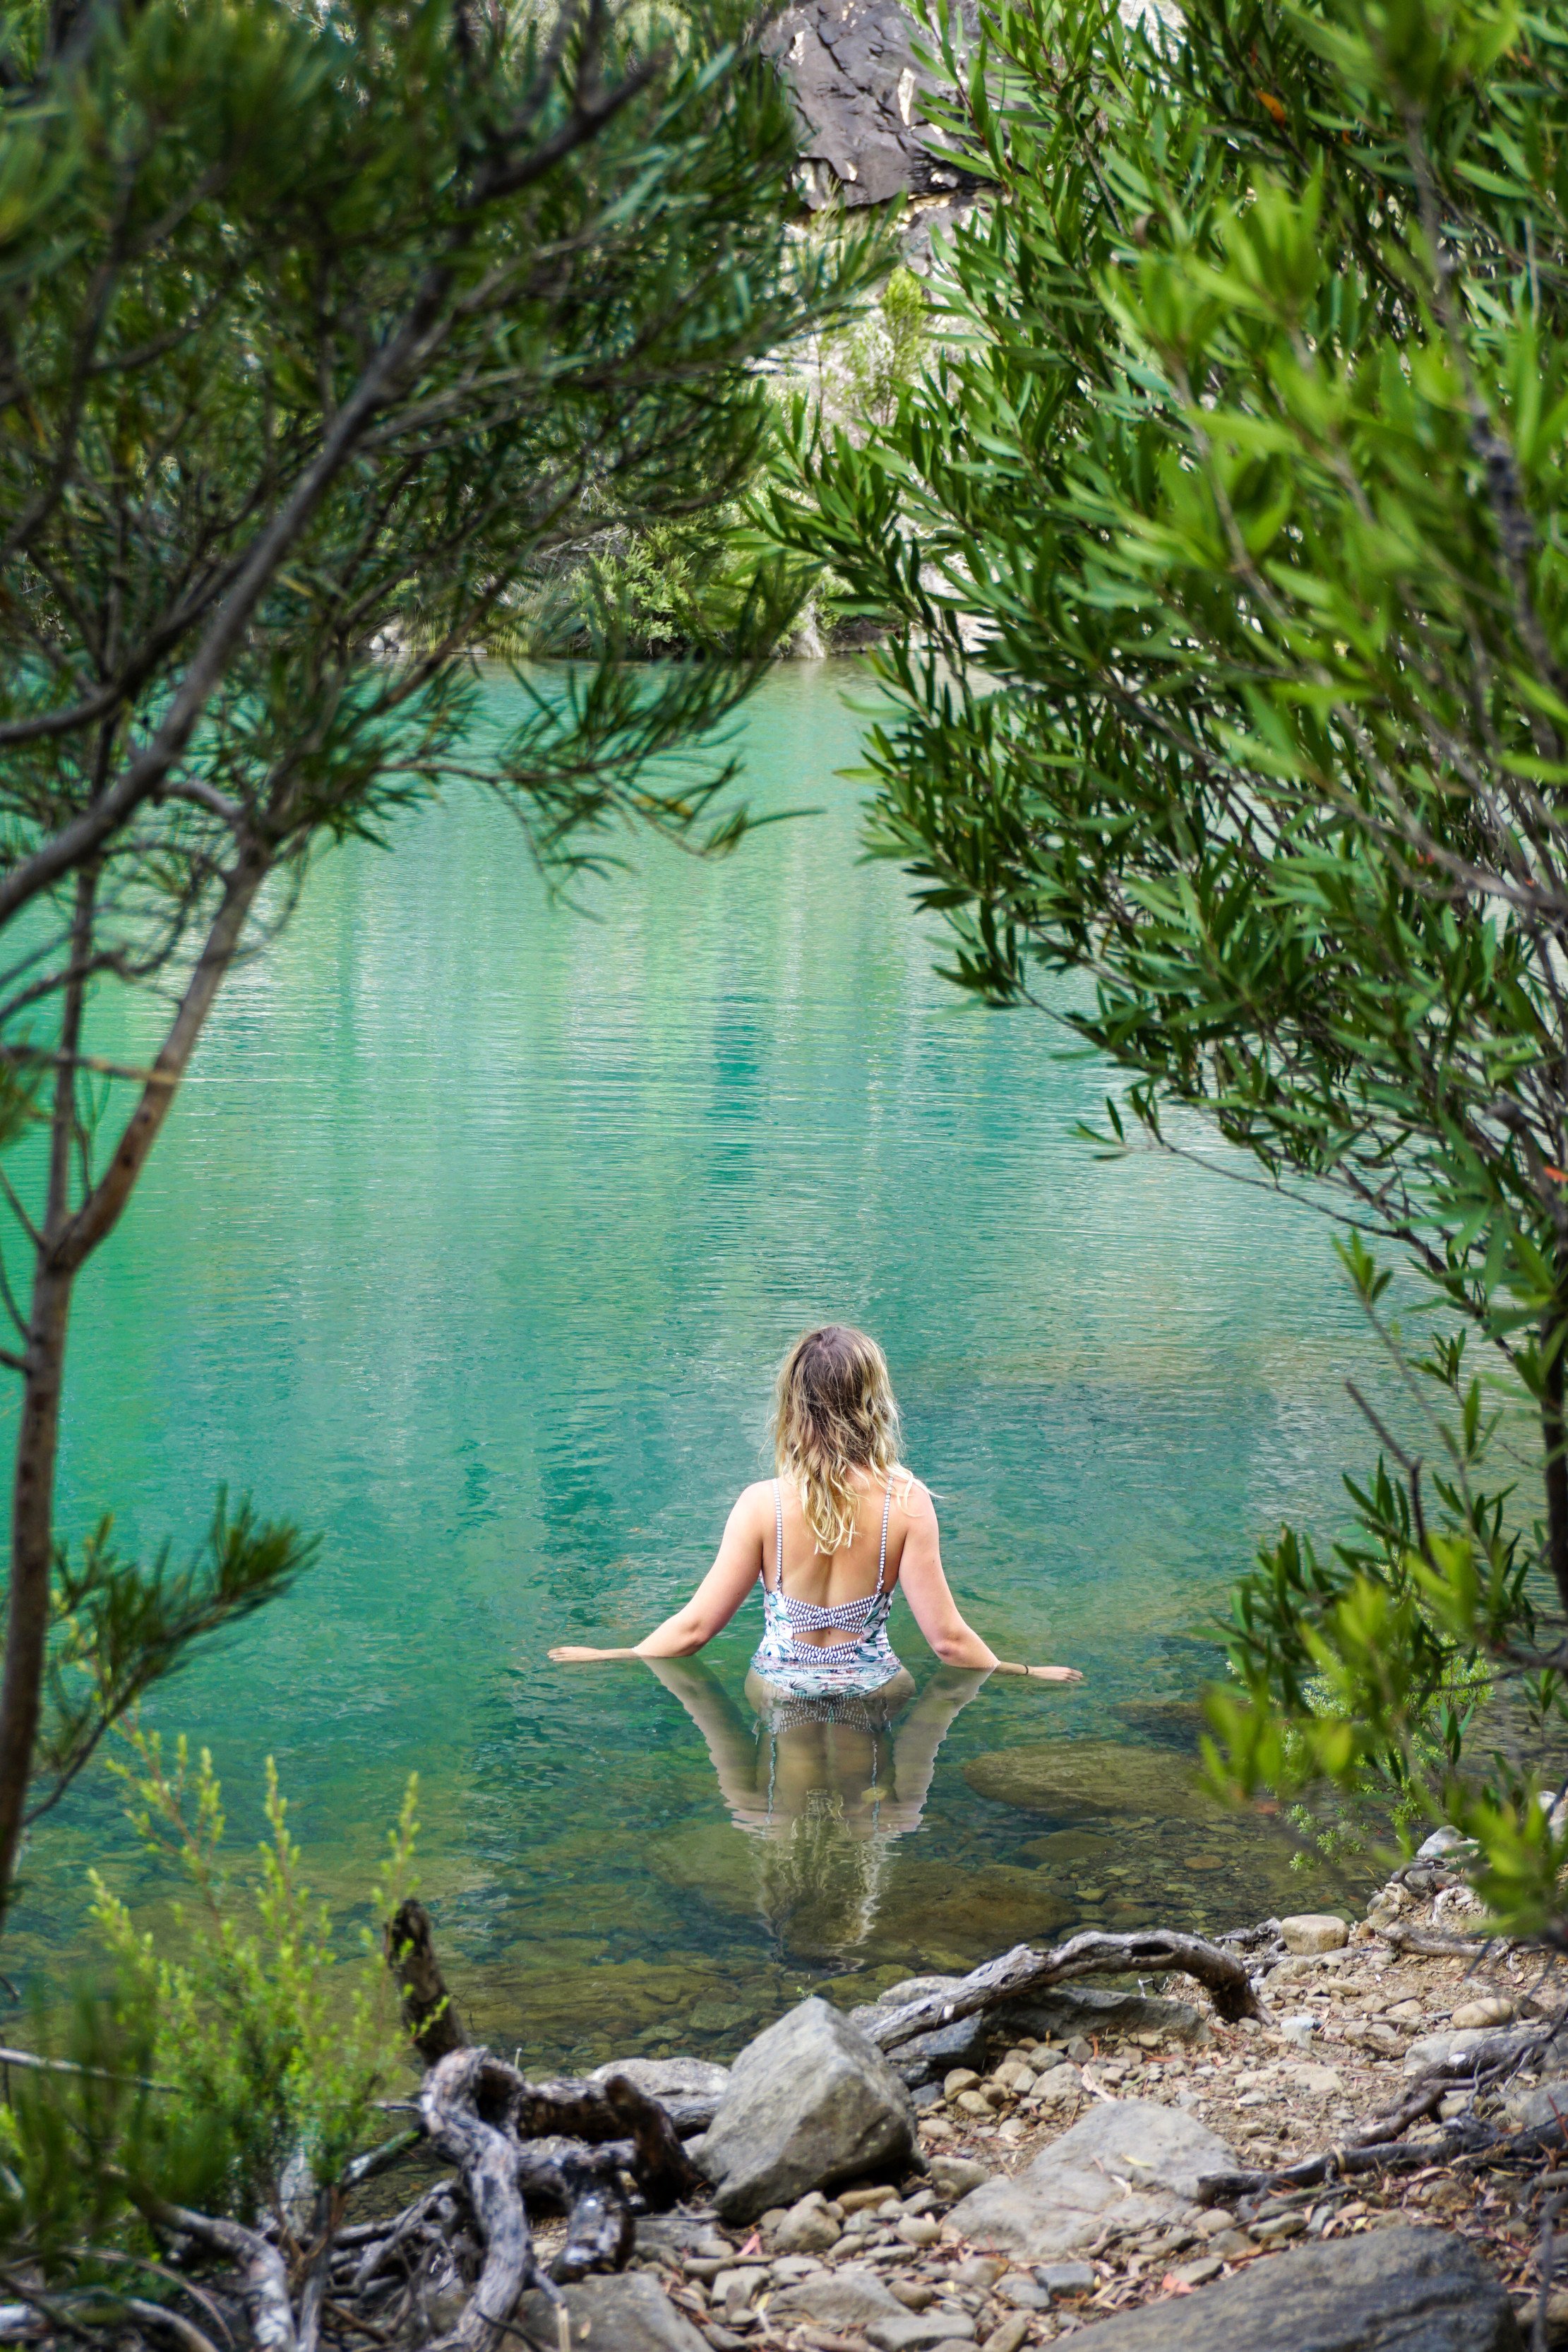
(472, 1243)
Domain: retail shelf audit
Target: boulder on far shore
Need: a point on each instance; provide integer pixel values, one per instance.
(808, 2103)
(1399, 2290)
(1143, 2158)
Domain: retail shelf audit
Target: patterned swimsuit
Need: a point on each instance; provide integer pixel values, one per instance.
(808, 1669)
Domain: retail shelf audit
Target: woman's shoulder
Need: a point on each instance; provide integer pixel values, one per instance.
(913, 1497)
(757, 1496)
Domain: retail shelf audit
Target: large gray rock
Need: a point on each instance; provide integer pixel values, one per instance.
(1057, 2016)
(1145, 2159)
(1537, 2107)
(668, 2078)
(850, 69)
(1386, 2291)
(808, 2103)
(847, 2297)
(916, 2331)
(631, 2314)
(928, 2056)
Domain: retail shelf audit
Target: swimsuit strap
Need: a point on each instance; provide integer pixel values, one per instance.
(777, 1541)
(882, 1563)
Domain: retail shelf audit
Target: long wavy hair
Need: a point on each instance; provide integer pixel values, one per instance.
(833, 1414)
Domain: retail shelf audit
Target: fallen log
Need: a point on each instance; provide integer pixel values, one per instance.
(1025, 1970)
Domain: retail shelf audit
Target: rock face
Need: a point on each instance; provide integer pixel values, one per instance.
(1387, 2291)
(850, 68)
(631, 2311)
(1143, 2158)
(808, 2103)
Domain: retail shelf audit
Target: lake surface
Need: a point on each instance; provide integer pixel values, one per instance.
(473, 1243)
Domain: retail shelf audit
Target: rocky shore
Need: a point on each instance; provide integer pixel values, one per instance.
(1115, 2158)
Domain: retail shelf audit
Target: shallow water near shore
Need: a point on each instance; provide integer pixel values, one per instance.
(472, 1243)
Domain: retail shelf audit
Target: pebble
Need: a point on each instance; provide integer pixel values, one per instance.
(1198, 2274)
(919, 2229)
(1492, 2009)
(1279, 2225)
(1066, 2278)
(1008, 2336)
(1314, 1931)
(962, 2078)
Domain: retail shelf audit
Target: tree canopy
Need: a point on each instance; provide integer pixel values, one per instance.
(323, 333)
(1224, 548)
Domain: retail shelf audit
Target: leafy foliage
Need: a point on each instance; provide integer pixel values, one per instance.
(1223, 536)
(118, 1628)
(237, 2061)
(252, 2028)
(325, 335)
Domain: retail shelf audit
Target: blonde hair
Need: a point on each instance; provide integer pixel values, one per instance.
(833, 1412)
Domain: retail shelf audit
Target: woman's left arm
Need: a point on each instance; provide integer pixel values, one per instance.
(713, 1604)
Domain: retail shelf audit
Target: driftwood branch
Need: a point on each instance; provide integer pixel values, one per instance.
(264, 2273)
(1025, 1970)
(566, 2142)
(469, 2122)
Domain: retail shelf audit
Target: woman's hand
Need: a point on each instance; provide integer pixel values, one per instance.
(571, 1657)
(1055, 1674)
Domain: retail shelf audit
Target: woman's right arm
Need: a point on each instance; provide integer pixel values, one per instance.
(937, 1613)
(734, 1571)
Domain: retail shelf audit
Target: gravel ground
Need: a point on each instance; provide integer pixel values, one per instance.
(1331, 2055)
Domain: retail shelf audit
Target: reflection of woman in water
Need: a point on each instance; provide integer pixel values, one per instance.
(825, 1784)
(829, 1780)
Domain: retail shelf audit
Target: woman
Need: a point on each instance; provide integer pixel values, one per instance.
(830, 1539)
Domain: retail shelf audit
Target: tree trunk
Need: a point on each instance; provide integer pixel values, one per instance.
(61, 1247)
(1554, 1441)
(38, 1428)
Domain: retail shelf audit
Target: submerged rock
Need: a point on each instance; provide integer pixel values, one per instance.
(1398, 2290)
(1068, 1777)
(1143, 2158)
(932, 1904)
(808, 2103)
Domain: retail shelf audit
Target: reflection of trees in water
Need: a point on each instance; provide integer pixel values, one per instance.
(822, 1786)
